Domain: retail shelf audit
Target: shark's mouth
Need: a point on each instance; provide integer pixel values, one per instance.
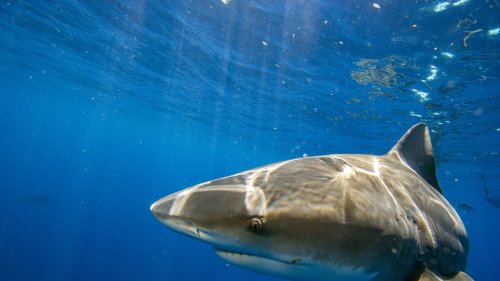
(267, 265)
(247, 259)
(297, 267)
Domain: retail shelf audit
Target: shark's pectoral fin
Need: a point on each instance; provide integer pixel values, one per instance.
(462, 276)
(427, 275)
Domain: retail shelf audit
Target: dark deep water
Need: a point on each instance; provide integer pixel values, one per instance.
(107, 106)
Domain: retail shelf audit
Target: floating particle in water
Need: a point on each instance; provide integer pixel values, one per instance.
(468, 35)
(478, 111)
(415, 114)
(376, 5)
(383, 72)
(493, 32)
(264, 43)
(423, 95)
(441, 6)
(466, 22)
(225, 2)
(433, 74)
(460, 2)
(447, 55)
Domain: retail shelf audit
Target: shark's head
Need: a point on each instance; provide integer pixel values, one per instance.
(287, 232)
(234, 219)
(214, 213)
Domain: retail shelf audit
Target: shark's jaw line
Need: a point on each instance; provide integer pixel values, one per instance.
(235, 255)
(300, 269)
(272, 266)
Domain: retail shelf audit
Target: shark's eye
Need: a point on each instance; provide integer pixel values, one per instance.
(256, 224)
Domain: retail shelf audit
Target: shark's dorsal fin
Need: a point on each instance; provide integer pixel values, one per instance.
(415, 150)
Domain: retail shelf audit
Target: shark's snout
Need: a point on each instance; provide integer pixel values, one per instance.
(161, 208)
(204, 211)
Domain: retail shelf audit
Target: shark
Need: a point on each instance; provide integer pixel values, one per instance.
(350, 217)
(494, 201)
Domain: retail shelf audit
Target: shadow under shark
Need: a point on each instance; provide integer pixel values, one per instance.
(334, 217)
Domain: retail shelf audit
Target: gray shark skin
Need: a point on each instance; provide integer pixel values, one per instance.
(349, 217)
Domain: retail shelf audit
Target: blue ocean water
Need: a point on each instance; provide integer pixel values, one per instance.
(107, 106)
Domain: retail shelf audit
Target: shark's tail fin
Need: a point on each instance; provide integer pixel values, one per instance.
(415, 150)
